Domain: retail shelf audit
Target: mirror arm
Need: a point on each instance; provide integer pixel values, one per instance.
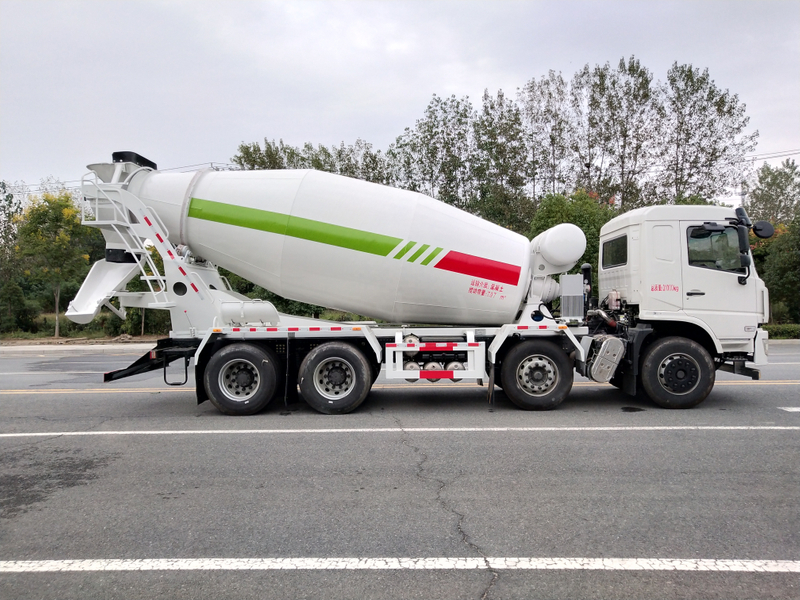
(743, 278)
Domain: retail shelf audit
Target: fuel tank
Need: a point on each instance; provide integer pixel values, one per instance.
(344, 243)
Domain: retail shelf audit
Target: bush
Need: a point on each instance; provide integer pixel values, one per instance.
(787, 331)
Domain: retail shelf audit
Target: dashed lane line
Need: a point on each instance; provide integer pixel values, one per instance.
(380, 564)
(790, 408)
(405, 430)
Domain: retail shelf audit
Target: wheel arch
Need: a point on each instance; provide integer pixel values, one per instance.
(690, 331)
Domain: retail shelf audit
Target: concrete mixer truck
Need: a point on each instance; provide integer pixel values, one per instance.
(457, 298)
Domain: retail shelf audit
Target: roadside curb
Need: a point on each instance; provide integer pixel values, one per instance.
(137, 348)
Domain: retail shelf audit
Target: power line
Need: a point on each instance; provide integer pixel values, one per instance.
(771, 155)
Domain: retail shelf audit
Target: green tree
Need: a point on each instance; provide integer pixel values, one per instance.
(357, 160)
(53, 244)
(775, 194)
(580, 209)
(434, 157)
(15, 311)
(624, 106)
(549, 124)
(702, 140)
(500, 165)
(274, 155)
(782, 270)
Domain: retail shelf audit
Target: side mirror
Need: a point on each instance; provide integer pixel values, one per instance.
(744, 239)
(763, 229)
(745, 260)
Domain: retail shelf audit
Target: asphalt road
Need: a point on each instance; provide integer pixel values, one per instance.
(132, 490)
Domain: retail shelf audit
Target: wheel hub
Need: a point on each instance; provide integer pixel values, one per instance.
(537, 375)
(238, 380)
(679, 374)
(244, 378)
(333, 378)
(337, 376)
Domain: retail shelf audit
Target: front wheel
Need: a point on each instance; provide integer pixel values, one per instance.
(677, 373)
(335, 378)
(536, 375)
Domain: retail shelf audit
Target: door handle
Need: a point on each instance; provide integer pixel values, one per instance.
(695, 293)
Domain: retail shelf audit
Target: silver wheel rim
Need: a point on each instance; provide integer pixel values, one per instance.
(679, 374)
(334, 378)
(537, 375)
(239, 380)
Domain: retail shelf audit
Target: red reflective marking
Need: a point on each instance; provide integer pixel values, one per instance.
(170, 254)
(194, 287)
(391, 345)
(475, 266)
(272, 329)
(293, 329)
(336, 328)
(313, 328)
(253, 329)
(436, 374)
(437, 346)
(235, 329)
(160, 239)
(473, 344)
(522, 326)
(181, 270)
(542, 326)
(146, 220)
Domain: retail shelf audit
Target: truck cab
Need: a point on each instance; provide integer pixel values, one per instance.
(687, 271)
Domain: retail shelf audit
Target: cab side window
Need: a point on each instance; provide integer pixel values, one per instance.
(717, 250)
(615, 252)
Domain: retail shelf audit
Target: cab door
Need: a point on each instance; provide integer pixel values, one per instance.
(712, 291)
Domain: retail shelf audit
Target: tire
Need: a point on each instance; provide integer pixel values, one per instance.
(335, 378)
(536, 375)
(241, 379)
(677, 373)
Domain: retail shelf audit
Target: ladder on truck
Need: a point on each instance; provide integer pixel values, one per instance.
(131, 227)
(126, 223)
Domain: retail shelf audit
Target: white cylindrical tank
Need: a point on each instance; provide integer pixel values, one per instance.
(344, 243)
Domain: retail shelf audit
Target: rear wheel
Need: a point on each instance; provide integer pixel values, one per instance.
(536, 375)
(335, 378)
(677, 373)
(241, 379)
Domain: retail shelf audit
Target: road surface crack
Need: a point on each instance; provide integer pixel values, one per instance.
(425, 475)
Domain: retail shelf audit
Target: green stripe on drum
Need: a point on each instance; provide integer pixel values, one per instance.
(431, 256)
(405, 249)
(419, 252)
(297, 227)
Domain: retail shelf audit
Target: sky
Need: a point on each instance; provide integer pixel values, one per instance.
(185, 82)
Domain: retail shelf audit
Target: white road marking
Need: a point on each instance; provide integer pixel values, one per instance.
(403, 430)
(54, 373)
(790, 408)
(523, 563)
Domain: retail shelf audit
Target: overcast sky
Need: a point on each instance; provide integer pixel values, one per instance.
(186, 82)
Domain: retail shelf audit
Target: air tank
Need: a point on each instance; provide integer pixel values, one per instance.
(344, 243)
